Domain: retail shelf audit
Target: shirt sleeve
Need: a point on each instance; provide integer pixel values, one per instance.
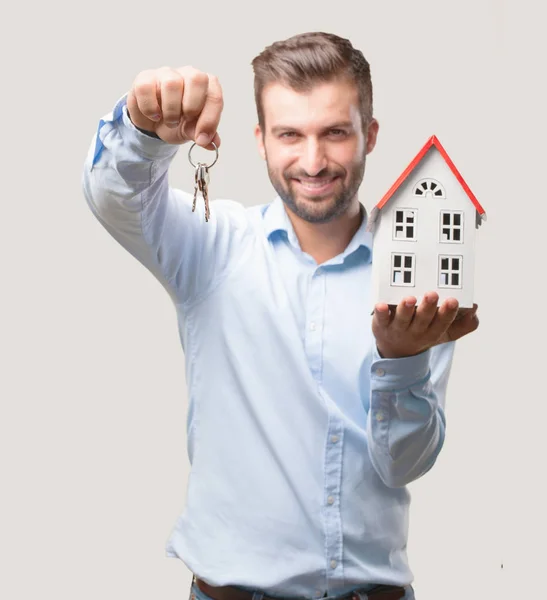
(406, 422)
(125, 184)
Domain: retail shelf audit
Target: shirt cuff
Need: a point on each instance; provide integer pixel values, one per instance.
(143, 145)
(390, 374)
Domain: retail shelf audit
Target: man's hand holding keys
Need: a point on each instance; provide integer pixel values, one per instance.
(407, 330)
(178, 105)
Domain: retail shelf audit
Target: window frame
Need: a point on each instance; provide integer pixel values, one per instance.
(405, 224)
(450, 271)
(403, 269)
(424, 194)
(451, 227)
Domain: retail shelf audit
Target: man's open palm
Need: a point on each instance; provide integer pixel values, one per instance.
(407, 330)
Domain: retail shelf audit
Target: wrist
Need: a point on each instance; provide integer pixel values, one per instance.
(390, 353)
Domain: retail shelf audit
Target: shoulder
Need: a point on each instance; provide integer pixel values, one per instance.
(239, 213)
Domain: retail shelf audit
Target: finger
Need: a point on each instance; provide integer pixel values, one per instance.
(133, 111)
(189, 131)
(171, 86)
(461, 327)
(196, 84)
(210, 115)
(446, 316)
(381, 316)
(425, 312)
(471, 315)
(216, 140)
(404, 314)
(463, 312)
(142, 100)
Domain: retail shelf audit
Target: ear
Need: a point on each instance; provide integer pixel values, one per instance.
(260, 141)
(372, 134)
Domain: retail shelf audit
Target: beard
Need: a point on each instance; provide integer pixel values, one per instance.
(318, 209)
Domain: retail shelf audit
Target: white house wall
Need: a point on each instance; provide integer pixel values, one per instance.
(428, 247)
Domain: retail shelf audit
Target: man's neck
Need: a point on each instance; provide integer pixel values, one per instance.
(324, 241)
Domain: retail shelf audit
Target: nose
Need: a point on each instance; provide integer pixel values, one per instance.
(314, 158)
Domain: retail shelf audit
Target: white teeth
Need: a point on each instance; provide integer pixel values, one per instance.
(316, 184)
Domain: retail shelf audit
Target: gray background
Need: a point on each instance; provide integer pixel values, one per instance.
(93, 459)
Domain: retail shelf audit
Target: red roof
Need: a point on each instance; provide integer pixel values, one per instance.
(432, 141)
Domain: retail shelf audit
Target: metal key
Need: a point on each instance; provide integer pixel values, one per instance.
(201, 181)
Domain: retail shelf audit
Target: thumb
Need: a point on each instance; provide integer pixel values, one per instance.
(190, 133)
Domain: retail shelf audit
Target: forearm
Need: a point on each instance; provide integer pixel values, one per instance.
(125, 184)
(406, 421)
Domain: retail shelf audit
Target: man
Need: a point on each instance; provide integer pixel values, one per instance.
(308, 417)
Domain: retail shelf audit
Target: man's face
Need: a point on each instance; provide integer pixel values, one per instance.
(315, 148)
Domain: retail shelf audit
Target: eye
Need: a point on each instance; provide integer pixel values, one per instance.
(337, 132)
(287, 134)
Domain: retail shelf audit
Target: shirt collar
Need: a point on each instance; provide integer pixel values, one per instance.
(275, 219)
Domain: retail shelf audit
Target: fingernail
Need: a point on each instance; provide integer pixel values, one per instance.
(155, 117)
(409, 303)
(203, 139)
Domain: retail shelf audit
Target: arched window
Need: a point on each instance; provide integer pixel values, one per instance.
(429, 186)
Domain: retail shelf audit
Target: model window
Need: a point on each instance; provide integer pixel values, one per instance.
(451, 227)
(404, 226)
(450, 271)
(402, 269)
(429, 187)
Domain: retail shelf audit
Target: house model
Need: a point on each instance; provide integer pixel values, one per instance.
(424, 232)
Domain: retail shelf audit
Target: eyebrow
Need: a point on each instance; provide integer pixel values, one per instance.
(340, 125)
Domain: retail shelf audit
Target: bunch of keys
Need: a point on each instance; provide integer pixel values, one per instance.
(201, 180)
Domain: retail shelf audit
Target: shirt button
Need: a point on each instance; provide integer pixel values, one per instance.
(379, 416)
(333, 564)
(330, 500)
(380, 372)
(334, 439)
(313, 326)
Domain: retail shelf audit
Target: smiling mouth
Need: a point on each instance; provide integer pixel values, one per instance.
(317, 185)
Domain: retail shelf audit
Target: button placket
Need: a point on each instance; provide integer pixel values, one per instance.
(314, 324)
(333, 480)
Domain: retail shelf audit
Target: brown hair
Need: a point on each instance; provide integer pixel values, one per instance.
(305, 59)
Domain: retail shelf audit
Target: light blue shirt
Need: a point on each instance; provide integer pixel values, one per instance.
(301, 439)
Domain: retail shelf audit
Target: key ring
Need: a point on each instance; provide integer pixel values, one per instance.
(208, 166)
